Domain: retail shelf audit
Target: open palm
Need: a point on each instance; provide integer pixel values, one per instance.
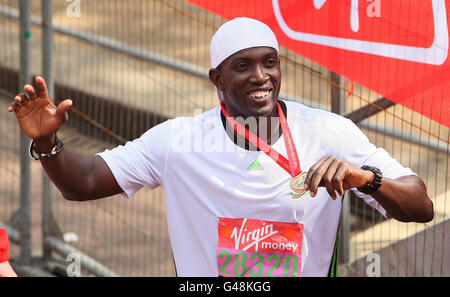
(37, 116)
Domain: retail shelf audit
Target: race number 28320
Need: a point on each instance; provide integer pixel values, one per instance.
(258, 264)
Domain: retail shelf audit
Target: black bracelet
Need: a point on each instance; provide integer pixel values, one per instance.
(56, 149)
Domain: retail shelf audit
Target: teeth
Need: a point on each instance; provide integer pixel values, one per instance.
(259, 94)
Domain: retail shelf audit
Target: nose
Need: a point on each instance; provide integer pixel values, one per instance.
(259, 76)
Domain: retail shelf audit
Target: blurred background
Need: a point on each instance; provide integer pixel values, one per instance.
(129, 65)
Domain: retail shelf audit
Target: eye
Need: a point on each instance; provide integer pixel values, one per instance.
(241, 67)
(270, 62)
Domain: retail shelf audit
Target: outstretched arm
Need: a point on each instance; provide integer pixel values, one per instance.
(78, 177)
(404, 198)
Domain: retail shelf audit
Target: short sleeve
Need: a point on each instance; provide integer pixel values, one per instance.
(357, 149)
(141, 162)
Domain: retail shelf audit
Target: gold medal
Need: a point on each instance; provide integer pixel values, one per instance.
(298, 185)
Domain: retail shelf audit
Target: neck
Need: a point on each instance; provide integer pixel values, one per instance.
(267, 128)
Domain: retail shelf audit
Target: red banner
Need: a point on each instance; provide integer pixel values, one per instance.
(397, 48)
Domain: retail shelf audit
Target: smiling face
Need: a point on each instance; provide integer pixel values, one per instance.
(250, 82)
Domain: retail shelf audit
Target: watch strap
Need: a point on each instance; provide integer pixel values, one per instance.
(376, 183)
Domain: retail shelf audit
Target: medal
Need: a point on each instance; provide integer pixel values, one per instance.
(291, 165)
(298, 185)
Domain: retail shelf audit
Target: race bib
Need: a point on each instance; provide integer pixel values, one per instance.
(248, 247)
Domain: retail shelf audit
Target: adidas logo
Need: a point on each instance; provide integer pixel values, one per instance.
(255, 165)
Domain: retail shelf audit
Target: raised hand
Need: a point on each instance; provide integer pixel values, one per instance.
(38, 117)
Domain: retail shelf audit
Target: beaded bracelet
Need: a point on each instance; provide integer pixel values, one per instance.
(54, 151)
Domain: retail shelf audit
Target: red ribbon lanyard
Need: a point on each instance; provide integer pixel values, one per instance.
(292, 166)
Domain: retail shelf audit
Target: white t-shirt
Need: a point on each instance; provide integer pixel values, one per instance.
(224, 203)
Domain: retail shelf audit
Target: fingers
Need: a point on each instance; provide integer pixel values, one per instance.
(63, 107)
(312, 171)
(13, 107)
(328, 172)
(42, 87)
(317, 175)
(339, 177)
(30, 92)
(21, 98)
(329, 180)
(19, 101)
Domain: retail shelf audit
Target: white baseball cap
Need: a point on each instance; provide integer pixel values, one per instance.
(239, 34)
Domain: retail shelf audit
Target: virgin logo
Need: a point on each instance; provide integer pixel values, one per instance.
(251, 237)
(436, 54)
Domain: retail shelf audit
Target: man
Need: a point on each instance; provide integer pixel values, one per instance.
(251, 186)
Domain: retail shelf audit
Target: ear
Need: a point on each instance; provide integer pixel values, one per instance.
(215, 77)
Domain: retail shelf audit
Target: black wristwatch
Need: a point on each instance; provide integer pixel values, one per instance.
(376, 183)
